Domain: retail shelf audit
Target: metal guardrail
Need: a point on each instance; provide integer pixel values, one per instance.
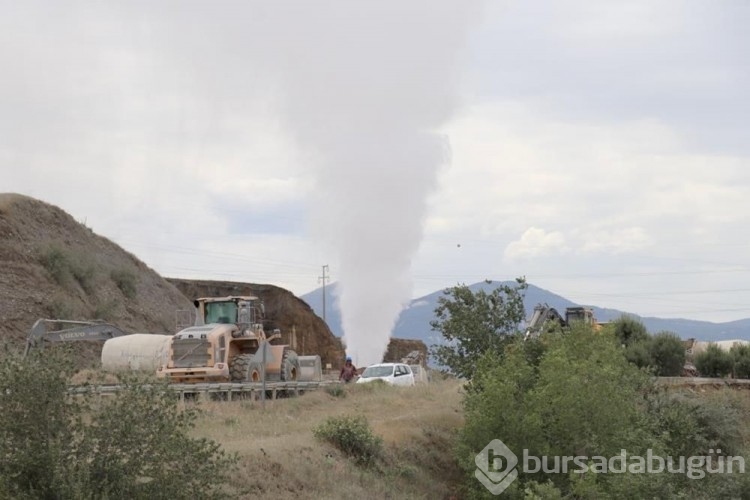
(206, 388)
(701, 381)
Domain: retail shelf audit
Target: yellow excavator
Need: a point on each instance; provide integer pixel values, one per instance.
(545, 316)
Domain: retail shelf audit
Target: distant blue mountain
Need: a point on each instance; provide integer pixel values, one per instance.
(414, 321)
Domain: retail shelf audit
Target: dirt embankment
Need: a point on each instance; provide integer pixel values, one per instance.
(401, 348)
(51, 266)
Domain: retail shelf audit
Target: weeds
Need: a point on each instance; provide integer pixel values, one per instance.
(353, 436)
(126, 281)
(67, 269)
(61, 308)
(336, 390)
(105, 310)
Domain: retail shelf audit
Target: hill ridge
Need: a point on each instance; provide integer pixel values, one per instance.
(413, 322)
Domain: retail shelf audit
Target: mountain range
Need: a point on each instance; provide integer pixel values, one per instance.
(414, 320)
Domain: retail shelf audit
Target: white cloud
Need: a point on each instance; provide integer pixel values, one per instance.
(536, 242)
(617, 241)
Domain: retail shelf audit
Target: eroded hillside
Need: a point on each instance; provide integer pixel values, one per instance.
(51, 266)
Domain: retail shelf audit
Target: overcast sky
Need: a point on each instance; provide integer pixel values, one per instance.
(600, 148)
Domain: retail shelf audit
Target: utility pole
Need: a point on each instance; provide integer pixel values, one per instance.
(322, 279)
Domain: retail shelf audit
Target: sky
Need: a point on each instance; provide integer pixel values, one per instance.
(598, 148)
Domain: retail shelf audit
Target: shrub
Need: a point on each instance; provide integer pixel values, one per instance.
(57, 263)
(741, 359)
(137, 444)
(336, 390)
(629, 330)
(65, 268)
(371, 387)
(353, 436)
(639, 353)
(586, 399)
(126, 281)
(714, 362)
(60, 307)
(105, 310)
(667, 354)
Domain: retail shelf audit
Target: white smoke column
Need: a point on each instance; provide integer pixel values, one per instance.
(363, 87)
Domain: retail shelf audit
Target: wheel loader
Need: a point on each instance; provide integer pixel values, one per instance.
(226, 344)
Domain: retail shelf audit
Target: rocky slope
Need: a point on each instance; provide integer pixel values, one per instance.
(51, 266)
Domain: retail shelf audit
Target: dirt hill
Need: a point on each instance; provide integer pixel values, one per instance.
(51, 266)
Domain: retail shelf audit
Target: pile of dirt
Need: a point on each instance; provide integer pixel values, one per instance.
(300, 327)
(398, 349)
(51, 266)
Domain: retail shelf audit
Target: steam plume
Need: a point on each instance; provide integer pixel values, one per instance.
(364, 87)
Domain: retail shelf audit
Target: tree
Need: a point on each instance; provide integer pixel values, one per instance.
(639, 353)
(629, 330)
(582, 399)
(136, 444)
(714, 362)
(741, 359)
(585, 399)
(667, 354)
(474, 323)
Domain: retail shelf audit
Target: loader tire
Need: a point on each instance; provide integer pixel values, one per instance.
(289, 366)
(245, 369)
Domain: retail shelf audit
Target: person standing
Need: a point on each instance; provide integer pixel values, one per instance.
(349, 371)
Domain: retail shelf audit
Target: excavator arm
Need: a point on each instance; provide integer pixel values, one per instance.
(71, 331)
(542, 314)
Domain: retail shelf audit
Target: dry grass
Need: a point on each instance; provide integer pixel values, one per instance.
(281, 459)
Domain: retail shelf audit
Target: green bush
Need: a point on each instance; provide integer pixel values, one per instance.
(136, 444)
(714, 362)
(639, 353)
(61, 307)
(741, 359)
(585, 398)
(336, 390)
(66, 269)
(126, 281)
(629, 330)
(105, 310)
(353, 436)
(57, 263)
(667, 354)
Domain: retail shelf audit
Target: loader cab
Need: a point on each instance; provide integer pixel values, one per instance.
(229, 310)
(579, 314)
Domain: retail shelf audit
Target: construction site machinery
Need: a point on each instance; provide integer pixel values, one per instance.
(228, 344)
(545, 316)
(51, 331)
